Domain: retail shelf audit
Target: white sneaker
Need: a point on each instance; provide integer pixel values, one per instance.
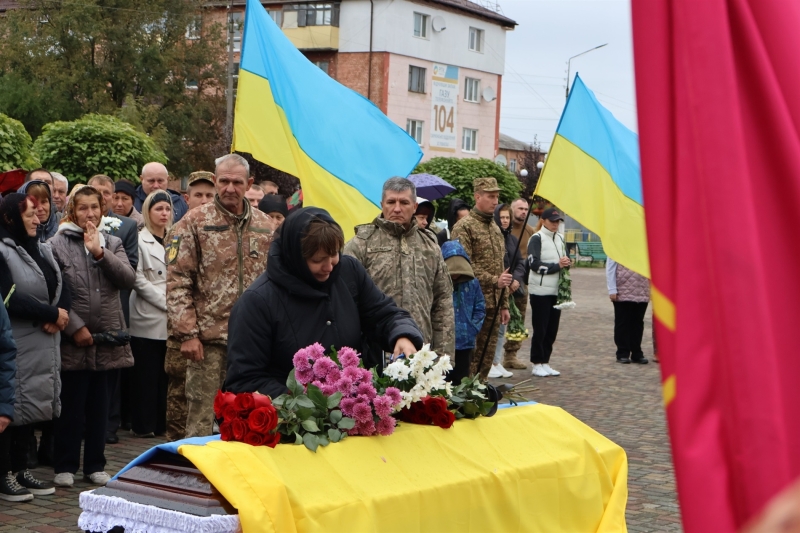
(99, 478)
(495, 372)
(64, 479)
(551, 371)
(539, 371)
(503, 372)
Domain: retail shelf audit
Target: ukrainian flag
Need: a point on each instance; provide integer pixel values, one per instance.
(292, 116)
(593, 174)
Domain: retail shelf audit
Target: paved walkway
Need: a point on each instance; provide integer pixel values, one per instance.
(623, 402)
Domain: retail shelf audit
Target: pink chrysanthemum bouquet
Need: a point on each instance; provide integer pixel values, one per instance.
(342, 372)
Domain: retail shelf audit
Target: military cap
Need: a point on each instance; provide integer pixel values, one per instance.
(485, 185)
(200, 175)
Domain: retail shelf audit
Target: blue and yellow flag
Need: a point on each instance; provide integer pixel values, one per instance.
(593, 174)
(292, 116)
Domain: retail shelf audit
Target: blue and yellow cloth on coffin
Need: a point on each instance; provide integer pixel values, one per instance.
(593, 174)
(532, 468)
(292, 116)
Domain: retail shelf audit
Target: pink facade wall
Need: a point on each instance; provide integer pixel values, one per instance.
(404, 105)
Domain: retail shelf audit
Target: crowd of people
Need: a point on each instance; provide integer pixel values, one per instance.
(129, 306)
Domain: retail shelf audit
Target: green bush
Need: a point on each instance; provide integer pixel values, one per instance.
(96, 144)
(15, 146)
(460, 172)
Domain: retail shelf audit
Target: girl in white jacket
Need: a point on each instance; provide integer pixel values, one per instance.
(547, 255)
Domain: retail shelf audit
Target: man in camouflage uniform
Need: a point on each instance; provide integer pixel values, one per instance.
(405, 262)
(200, 191)
(485, 246)
(519, 211)
(218, 250)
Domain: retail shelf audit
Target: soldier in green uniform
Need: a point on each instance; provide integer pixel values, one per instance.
(405, 262)
(200, 191)
(485, 245)
(216, 252)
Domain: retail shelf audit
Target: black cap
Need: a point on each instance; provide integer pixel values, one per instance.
(272, 203)
(552, 214)
(125, 187)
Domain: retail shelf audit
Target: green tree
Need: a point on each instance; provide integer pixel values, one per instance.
(15, 146)
(95, 144)
(460, 172)
(61, 60)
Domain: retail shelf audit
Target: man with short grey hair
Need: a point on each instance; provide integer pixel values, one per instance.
(156, 177)
(405, 262)
(214, 254)
(60, 187)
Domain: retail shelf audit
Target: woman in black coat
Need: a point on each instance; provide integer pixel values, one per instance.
(309, 293)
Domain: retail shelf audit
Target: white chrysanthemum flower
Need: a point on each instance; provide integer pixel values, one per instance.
(566, 305)
(109, 224)
(397, 370)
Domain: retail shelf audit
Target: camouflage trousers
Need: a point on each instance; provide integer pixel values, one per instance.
(512, 347)
(480, 341)
(203, 380)
(175, 366)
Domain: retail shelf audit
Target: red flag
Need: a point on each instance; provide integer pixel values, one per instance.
(719, 123)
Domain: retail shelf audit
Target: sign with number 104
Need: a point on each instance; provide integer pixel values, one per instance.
(444, 102)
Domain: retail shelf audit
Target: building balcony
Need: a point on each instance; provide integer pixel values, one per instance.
(314, 37)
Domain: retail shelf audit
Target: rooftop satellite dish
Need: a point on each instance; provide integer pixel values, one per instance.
(489, 94)
(501, 160)
(438, 23)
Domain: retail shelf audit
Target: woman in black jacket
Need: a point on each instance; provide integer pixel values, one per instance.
(309, 293)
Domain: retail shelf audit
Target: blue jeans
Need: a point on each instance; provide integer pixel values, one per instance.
(498, 352)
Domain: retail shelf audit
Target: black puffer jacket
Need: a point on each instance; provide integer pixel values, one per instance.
(286, 309)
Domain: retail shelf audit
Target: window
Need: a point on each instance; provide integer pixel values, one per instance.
(314, 14)
(421, 25)
(276, 15)
(414, 128)
(512, 165)
(416, 79)
(235, 74)
(469, 140)
(476, 40)
(472, 88)
(194, 27)
(323, 65)
(235, 20)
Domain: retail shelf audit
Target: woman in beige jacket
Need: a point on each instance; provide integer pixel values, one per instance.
(148, 329)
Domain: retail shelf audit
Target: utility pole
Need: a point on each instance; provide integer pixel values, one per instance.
(229, 92)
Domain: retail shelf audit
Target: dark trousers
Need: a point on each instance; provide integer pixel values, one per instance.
(629, 328)
(14, 443)
(149, 381)
(119, 400)
(461, 366)
(544, 319)
(84, 413)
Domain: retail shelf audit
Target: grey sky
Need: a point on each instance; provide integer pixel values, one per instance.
(549, 32)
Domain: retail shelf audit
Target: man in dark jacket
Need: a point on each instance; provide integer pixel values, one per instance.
(289, 307)
(155, 176)
(457, 210)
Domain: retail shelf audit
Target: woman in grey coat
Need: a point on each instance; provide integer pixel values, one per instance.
(38, 309)
(96, 267)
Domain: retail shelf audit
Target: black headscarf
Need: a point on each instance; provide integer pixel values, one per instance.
(286, 254)
(272, 203)
(11, 225)
(456, 205)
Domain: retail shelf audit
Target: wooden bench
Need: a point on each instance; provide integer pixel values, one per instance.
(594, 250)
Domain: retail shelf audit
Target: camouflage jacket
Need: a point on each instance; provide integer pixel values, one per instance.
(212, 257)
(484, 243)
(408, 266)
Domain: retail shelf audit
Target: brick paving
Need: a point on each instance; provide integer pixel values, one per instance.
(623, 402)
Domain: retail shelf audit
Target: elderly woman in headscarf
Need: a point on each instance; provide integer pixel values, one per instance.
(39, 311)
(46, 210)
(310, 293)
(94, 341)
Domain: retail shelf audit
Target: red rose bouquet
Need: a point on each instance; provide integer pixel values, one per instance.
(431, 410)
(247, 417)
